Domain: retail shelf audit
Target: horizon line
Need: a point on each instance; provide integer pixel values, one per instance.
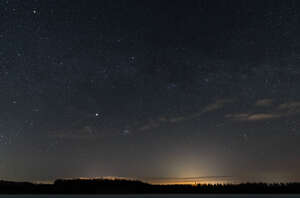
(164, 180)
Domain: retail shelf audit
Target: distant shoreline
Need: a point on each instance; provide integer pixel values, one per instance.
(123, 186)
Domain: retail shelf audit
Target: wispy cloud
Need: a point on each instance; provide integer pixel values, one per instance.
(283, 110)
(237, 116)
(151, 124)
(81, 131)
(263, 116)
(290, 106)
(264, 102)
(253, 117)
(217, 105)
(88, 132)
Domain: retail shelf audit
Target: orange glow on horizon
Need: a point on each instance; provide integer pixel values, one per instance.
(187, 182)
(154, 181)
(184, 181)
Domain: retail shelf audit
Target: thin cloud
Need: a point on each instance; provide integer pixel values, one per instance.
(264, 102)
(283, 110)
(219, 104)
(263, 116)
(238, 116)
(290, 105)
(253, 117)
(151, 125)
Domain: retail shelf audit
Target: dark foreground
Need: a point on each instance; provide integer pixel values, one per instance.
(105, 186)
(153, 196)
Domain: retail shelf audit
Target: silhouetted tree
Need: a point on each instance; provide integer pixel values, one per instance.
(121, 186)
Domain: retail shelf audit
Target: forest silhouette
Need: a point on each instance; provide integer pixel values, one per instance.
(123, 186)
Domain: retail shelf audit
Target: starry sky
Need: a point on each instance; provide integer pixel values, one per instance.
(171, 90)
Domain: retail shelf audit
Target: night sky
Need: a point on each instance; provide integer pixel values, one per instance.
(154, 90)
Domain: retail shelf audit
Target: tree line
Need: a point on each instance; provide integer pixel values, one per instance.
(122, 186)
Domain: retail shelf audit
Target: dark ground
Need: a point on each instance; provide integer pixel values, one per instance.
(105, 186)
